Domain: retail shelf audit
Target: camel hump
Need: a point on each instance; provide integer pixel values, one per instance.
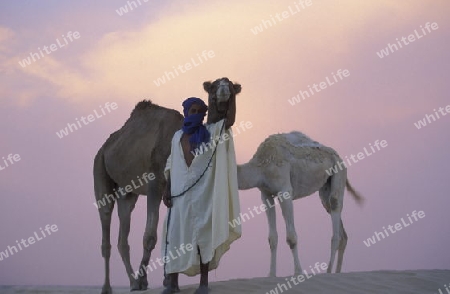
(142, 105)
(294, 138)
(299, 139)
(298, 146)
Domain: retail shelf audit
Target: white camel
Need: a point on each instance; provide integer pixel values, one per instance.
(295, 164)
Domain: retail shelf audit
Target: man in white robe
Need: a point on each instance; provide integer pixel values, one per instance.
(199, 232)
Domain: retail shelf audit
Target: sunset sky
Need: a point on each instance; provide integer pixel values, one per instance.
(275, 50)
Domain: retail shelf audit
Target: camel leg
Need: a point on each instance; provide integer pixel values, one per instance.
(335, 239)
(332, 195)
(105, 218)
(150, 235)
(125, 206)
(287, 208)
(337, 188)
(103, 187)
(341, 249)
(267, 199)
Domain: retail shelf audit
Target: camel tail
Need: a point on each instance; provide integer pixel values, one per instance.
(358, 198)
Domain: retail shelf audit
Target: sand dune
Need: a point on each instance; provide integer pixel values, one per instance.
(407, 282)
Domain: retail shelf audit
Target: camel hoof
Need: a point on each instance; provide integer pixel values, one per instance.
(166, 282)
(140, 284)
(143, 283)
(202, 289)
(107, 290)
(135, 286)
(169, 290)
(271, 275)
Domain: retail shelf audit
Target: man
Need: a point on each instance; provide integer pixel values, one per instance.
(200, 217)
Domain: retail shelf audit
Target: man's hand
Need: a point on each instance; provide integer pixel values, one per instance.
(167, 194)
(167, 199)
(231, 113)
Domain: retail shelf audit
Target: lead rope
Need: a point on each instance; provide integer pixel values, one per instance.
(184, 192)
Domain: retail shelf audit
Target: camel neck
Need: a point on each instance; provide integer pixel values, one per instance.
(248, 176)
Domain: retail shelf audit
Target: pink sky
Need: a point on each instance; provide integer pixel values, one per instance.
(117, 58)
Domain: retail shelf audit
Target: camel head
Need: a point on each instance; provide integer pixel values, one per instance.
(219, 93)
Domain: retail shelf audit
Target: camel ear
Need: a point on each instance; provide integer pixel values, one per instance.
(207, 86)
(237, 88)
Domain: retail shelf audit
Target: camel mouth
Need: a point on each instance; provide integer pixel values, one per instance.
(223, 97)
(222, 106)
(223, 92)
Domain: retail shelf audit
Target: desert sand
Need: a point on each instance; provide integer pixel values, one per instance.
(407, 282)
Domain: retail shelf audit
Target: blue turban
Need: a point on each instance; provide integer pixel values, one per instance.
(193, 124)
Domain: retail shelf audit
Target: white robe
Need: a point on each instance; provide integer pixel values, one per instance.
(201, 216)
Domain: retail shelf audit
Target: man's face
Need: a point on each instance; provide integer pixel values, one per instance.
(195, 108)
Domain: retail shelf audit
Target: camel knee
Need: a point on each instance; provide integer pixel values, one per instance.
(334, 204)
(343, 242)
(273, 241)
(106, 250)
(335, 240)
(344, 234)
(123, 247)
(150, 242)
(291, 240)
